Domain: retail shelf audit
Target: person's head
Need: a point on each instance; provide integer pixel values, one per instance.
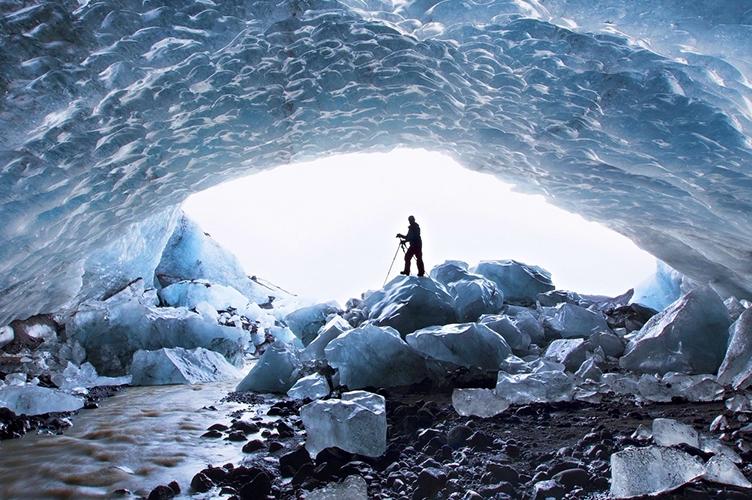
(411, 219)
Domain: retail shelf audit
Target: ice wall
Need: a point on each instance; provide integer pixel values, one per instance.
(634, 114)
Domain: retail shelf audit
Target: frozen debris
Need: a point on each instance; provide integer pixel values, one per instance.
(335, 327)
(715, 447)
(518, 340)
(589, 370)
(651, 470)
(375, 356)
(518, 282)
(36, 400)
(739, 403)
(569, 352)
(311, 387)
(720, 469)
(6, 336)
(111, 333)
(276, 371)
(669, 432)
(356, 423)
(736, 369)
(180, 366)
(478, 402)
(611, 344)
(572, 321)
(475, 297)
(85, 376)
(306, 322)
(409, 303)
(352, 488)
(190, 293)
(690, 336)
(539, 387)
(471, 345)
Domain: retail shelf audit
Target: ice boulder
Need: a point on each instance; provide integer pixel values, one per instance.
(276, 371)
(306, 322)
(475, 297)
(652, 470)
(478, 402)
(191, 293)
(518, 282)
(85, 377)
(527, 323)
(111, 332)
(376, 357)
(313, 386)
(569, 352)
(736, 369)
(180, 366)
(471, 345)
(689, 336)
(666, 286)
(545, 386)
(517, 339)
(720, 469)
(355, 423)
(611, 344)
(409, 303)
(335, 327)
(36, 400)
(669, 432)
(572, 321)
(450, 272)
(352, 488)
(734, 307)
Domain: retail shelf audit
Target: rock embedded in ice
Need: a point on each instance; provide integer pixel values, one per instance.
(311, 387)
(690, 336)
(520, 283)
(6, 336)
(475, 297)
(352, 488)
(478, 402)
(335, 327)
(471, 345)
(518, 340)
(669, 432)
(306, 322)
(36, 400)
(569, 352)
(720, 469)
(375, 356)
(651, 470)
(276, 371)
(355, 423)
(539, 387)
(191, 293)
(180, 366)
(572, 321)
(409, 303)
(736, 369)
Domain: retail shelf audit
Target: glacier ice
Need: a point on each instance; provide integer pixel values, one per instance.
(306, 322)
(352, 488)
(663, 288)
(312, 386)
(36, 400)
(478, 402)
(191, 293)
(519, 340)
(720, 469)
(85, 376)
(736, 368)
(651, 470)
(375, 356)
(517, 281)
(450, 272)
(545, 386)
(355, 423)
(6, 335)
(276, 371)
(573, 321)
(527, 323)
(335, 327)
(569, 352)
(471, 345)
(589, 370)
(474, 297)
(690, 336)
(669, 432)
(180, 366)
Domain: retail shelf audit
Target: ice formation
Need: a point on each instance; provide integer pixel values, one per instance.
(651, 470)
(192, 293)
(518, 339)
(668, 432)
(36, 400)
(352, 488)
(471, 345)
(475, 297)
(736, 369)
(354, 423)
(312, 387)
(478, 402)
(573, 321)
(569, 352)
(180, 366)
(546, 385)
(276, 371)
(306, 322)
(335, 327)
(517, 281)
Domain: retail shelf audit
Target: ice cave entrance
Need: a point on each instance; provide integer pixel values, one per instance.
(326, 229)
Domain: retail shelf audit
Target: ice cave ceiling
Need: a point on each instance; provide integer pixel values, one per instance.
(636, 114)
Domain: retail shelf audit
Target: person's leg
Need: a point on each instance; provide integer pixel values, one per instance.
(419, 258)
(408, 257)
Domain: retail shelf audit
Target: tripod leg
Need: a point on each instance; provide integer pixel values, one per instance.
(392, 264)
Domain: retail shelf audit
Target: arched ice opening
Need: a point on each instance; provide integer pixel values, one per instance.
(114, 112)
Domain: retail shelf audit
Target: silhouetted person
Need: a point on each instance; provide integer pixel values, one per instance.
(415, 249)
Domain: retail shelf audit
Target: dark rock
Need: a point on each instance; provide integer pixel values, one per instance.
(275, 446)
(253, 445)
(236, 436)
(218, 427)
(212, 434)
(501, 472)
(245, 426)
(161, 492)
(305, 472)
(543, 490)
(201, 483)
(284, 430)
(458, 436)
(175, 487)
(480, 440)
(430, 481)
(291, 462)
(257, 488)
(571, 478)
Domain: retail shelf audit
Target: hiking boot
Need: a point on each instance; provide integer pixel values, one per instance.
(405, 273)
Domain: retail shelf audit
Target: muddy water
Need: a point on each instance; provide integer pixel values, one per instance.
(137, 439)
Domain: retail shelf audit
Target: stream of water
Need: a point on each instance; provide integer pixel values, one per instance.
(137, 439)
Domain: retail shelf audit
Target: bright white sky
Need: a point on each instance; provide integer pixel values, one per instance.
(326, 229)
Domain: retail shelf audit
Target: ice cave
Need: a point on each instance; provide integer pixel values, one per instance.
(140, 359)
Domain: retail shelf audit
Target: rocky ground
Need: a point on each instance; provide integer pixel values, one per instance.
(558, 450)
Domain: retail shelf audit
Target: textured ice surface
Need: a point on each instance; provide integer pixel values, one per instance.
(651, 470)
(352, 488)
(374, 356)
(35, 400)
(517, 339)
(306, 322)
(276, 371)
(529, 324)
(330, 331)
(478, 402)
(312, 387)
(450, 272)
(190, 293)
(538, 387)
(467, 344)
(669, 432)
(518, 282)
(180, 366)
(720, 469)
(569, 352)
(115, 112)
(355, 423)
(409, 303)
(589, 370)
(663, 288)
(690, 336)
(474, 297)
(573, 321)
(736, 369)
(611, 344)
(85, 376)
(6, 335)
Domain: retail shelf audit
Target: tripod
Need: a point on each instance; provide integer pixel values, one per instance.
(401, 245)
